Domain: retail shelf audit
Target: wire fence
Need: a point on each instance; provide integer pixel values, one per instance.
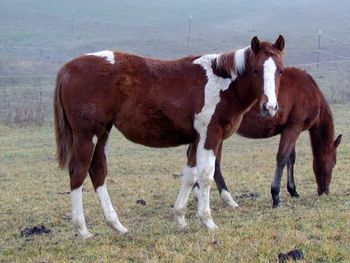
(27, 99)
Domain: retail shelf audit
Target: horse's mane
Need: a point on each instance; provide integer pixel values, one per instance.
(233, 63)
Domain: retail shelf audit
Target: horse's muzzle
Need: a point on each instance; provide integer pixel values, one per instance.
(269, 111)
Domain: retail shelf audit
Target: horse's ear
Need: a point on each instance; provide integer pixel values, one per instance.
(337, 141)
(279, 44)
(255, 45)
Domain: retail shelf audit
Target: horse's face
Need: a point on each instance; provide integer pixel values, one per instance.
(323, 167)
(266, 68)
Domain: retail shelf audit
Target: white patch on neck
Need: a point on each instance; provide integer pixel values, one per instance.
(269, 82)
(240, 60)
(212, 91)
(107, 54)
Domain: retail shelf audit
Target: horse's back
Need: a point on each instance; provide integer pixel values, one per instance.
(143, 97)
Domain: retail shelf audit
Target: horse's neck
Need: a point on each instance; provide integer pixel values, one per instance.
(322, 132)
(244, 94)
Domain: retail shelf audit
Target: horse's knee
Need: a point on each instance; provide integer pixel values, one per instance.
(282, 159)
(275, 190)
(189, 175)
(206, 175)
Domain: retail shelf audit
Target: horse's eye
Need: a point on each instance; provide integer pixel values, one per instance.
(256, 71)
(280, 72)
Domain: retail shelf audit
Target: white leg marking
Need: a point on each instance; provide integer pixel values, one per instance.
(206, 167)
(78, 218)
(227, 198)
(108, 210)
(188, 179)
(269, 85)
(107, 54)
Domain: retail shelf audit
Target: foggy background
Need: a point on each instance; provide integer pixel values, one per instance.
(37, 37)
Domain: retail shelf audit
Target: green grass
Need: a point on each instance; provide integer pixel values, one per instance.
(32, 189)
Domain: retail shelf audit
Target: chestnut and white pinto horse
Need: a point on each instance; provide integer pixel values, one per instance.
(198, 101)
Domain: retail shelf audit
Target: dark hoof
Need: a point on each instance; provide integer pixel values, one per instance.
(276, 205)
(295, 194)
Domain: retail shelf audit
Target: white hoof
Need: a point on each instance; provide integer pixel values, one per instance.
(180, 221)
(180, 217)
(119, 228)
(122, 230)
(85, 234)
(227, 198)
(208, 222)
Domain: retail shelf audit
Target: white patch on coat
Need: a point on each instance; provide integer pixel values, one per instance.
(108, 210)
(269, 83)
(227, 198)
(240, 60)
(213, 87)
(205, 159)
(107, 54)
(78, 218)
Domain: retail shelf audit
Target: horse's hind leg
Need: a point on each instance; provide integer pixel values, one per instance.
(220, 184)
(83, 148)
(290, 173)
(98, 173)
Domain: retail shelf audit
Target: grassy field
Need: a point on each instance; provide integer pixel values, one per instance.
(34, 192)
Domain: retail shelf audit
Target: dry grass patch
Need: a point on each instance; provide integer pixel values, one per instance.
(34, 192)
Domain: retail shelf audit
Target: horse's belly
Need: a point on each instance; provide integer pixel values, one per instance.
(154, 130)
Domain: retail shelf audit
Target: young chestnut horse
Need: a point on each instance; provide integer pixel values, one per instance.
(194, 100)
(302, 107)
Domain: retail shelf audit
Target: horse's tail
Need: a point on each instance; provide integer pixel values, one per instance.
(63, 130)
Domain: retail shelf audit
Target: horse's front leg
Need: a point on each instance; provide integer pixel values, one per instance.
(207, 150)
(286, 147)
(290, 173)
(206, 168)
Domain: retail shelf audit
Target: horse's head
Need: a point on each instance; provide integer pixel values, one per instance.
(323, 166)
(265, 68)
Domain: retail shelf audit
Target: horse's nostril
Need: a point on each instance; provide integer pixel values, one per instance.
(265, 106)
(276, 107)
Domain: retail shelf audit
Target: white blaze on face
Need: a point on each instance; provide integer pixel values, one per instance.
(107, 54)
(269, 85)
